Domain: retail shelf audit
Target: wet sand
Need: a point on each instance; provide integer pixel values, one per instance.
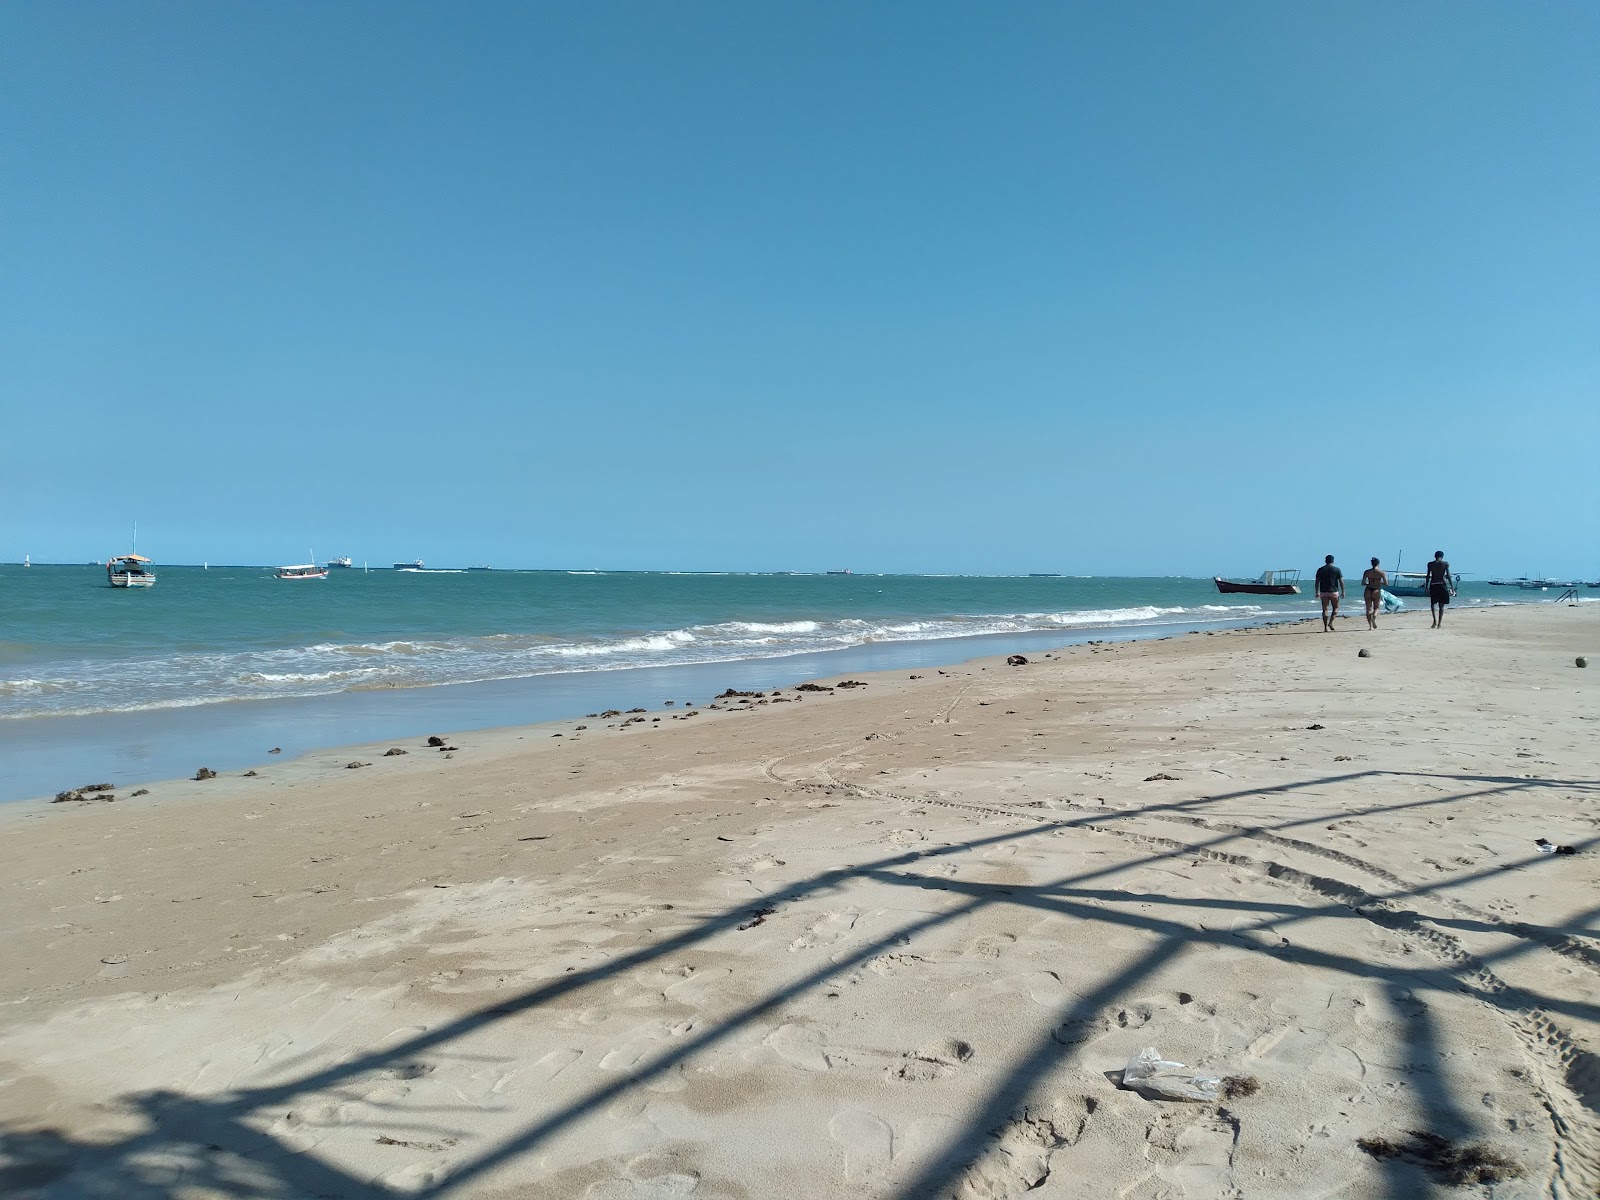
(895, 940)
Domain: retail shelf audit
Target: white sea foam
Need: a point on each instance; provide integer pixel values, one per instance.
(182, 680)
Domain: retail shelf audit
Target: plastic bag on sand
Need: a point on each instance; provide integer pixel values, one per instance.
(1392, 603)
(1157, 1079)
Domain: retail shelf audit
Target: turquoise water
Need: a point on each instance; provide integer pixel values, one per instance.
(69, 645)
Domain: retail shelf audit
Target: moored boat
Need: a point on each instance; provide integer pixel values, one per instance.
(1271, 583)
(129, 571)
(1414, 583)
(301, 571)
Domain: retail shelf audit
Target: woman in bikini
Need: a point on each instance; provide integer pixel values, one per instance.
(1373, 581)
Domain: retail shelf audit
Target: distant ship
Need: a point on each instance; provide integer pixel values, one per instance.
(415, 565)
(483, 567)
(340, 562)
(845, 571)
(1044, 574)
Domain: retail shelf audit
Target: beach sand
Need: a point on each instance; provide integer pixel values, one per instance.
(896, 940)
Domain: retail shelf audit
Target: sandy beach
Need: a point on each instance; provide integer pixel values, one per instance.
(893, 940)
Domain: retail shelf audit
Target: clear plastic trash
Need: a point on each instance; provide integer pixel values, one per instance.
(1392, 603)
(1158, 1079)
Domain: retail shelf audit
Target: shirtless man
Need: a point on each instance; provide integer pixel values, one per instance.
(1440, 587)
(1373, 581)
(1330, 587)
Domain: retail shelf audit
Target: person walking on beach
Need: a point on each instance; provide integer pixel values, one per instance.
(1330, 587)
(1373, 581)
(1440, 587)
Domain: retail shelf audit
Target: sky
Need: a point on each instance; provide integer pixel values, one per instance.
(1098, 288)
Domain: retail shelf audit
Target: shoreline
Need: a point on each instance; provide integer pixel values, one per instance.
(895, 940)
(47, 754)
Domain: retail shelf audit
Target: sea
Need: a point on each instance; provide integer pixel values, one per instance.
(230, 661)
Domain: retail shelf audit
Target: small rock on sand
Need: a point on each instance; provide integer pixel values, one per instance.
(205, 773)
(1363, 654)
(1581, 661)
(392, 751)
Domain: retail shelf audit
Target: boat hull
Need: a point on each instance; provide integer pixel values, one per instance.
(131, 581)
(1227, 587)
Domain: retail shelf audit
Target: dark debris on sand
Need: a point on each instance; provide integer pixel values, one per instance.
(1456, 1165)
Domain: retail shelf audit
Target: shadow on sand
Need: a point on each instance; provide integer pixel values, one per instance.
(213, 1145)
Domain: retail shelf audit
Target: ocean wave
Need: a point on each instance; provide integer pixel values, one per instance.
(760, 627)
(325, 666)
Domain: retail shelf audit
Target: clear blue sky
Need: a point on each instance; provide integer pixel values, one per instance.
(1133, 287)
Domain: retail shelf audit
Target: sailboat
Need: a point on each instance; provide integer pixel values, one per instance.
(130, 570)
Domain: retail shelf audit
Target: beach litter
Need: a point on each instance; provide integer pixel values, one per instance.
(1156, 1078)
(1581, 661)
(1017, 660)
(205, 773)
(1545, 846)
(392, 751)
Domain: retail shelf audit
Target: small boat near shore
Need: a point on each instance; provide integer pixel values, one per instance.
(129, 571)
(301, 571)
(1271, 583)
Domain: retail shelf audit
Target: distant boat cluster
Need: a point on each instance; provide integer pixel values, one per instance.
(1540, 585)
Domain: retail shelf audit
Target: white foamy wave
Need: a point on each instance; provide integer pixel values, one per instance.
(268, 677)
(185, 679)
(761, 627)
(654, 644)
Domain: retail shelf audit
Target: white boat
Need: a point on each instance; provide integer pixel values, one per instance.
(129, 571)
(341, 562)
(301, 571)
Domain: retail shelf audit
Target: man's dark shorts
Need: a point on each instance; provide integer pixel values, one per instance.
(1438, 593)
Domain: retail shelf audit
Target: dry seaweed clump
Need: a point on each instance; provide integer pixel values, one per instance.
(1455, 1165)
(1239, 1087)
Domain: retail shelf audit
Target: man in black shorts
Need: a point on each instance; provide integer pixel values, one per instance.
(1330, 587)
(1440, 586)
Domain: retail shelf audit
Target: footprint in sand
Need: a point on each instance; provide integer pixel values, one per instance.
(827, 930)
(1019, 1158)
(891, 964)
(1195, 1154)
(800, 1046)
(932, 1062)
(670, 1186)
(991, 945)
(868, 1143)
